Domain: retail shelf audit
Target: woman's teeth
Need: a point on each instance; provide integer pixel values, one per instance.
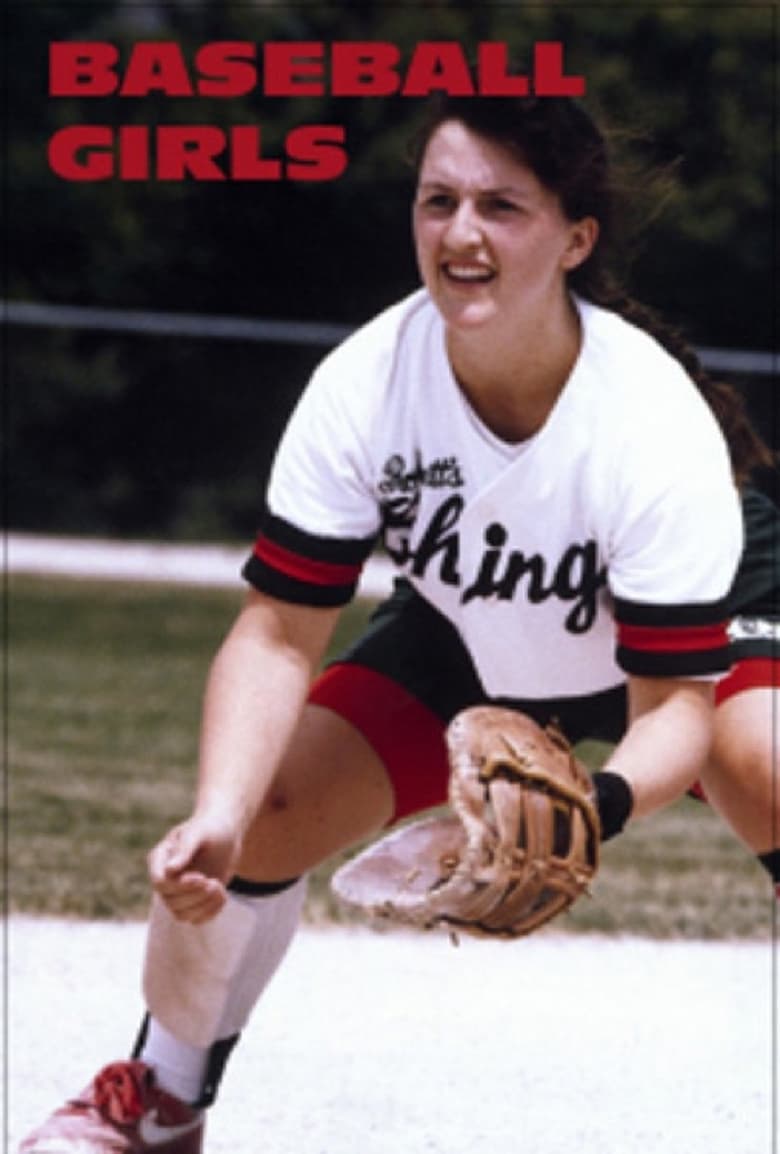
(468, 272)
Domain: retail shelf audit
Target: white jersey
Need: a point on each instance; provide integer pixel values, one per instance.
(604, 544)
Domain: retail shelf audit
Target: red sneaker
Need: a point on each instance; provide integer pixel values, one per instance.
(121, 1112)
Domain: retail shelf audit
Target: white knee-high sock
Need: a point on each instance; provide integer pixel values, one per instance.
(181, 1068)
(277, 917)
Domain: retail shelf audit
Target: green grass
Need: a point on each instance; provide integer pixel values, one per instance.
(104, 684)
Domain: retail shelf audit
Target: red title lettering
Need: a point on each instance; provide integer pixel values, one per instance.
(303, 68)
(175, 152)
(233, 68)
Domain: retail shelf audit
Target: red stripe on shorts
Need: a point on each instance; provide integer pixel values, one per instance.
(406, 735)
(304, 568)
(749, 673)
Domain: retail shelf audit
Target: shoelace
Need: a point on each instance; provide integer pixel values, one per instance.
(119, 1092)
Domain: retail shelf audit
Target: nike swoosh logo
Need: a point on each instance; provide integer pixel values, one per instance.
(153, 1134)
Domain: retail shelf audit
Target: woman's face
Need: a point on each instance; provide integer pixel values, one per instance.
(492, 242)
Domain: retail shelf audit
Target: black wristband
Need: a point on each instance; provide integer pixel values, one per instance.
(771, 863)
(614, 802)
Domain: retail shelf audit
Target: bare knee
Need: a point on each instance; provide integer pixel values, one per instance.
(330, 792)
(278, 800)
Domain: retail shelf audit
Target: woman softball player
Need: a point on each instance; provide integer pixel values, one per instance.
(561, 506)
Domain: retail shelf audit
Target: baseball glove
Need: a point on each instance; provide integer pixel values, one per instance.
(520, 845)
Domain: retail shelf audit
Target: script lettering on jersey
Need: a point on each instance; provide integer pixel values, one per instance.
(398, 477)
(502, 572)
(400, 487)
(576, 577)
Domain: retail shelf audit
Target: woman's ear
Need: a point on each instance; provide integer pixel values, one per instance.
(583, 236)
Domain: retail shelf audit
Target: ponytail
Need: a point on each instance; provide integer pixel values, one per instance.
(747, 449)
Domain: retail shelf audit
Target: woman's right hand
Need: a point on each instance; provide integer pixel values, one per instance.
(190, 866)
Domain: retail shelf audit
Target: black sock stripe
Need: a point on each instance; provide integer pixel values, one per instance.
(141, 1037)
(218, 1056)
(252, 889)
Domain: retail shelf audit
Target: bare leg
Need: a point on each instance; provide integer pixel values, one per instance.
(331, 791)
(742, 781)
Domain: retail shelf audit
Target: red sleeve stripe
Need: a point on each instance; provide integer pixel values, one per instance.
(682, 639)
(304, 568)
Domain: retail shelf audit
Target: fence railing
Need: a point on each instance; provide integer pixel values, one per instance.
(200, 326)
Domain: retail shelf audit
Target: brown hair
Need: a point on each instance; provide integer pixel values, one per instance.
(558, 139)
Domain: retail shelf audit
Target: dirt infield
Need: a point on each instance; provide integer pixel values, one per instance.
(373, 1043)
